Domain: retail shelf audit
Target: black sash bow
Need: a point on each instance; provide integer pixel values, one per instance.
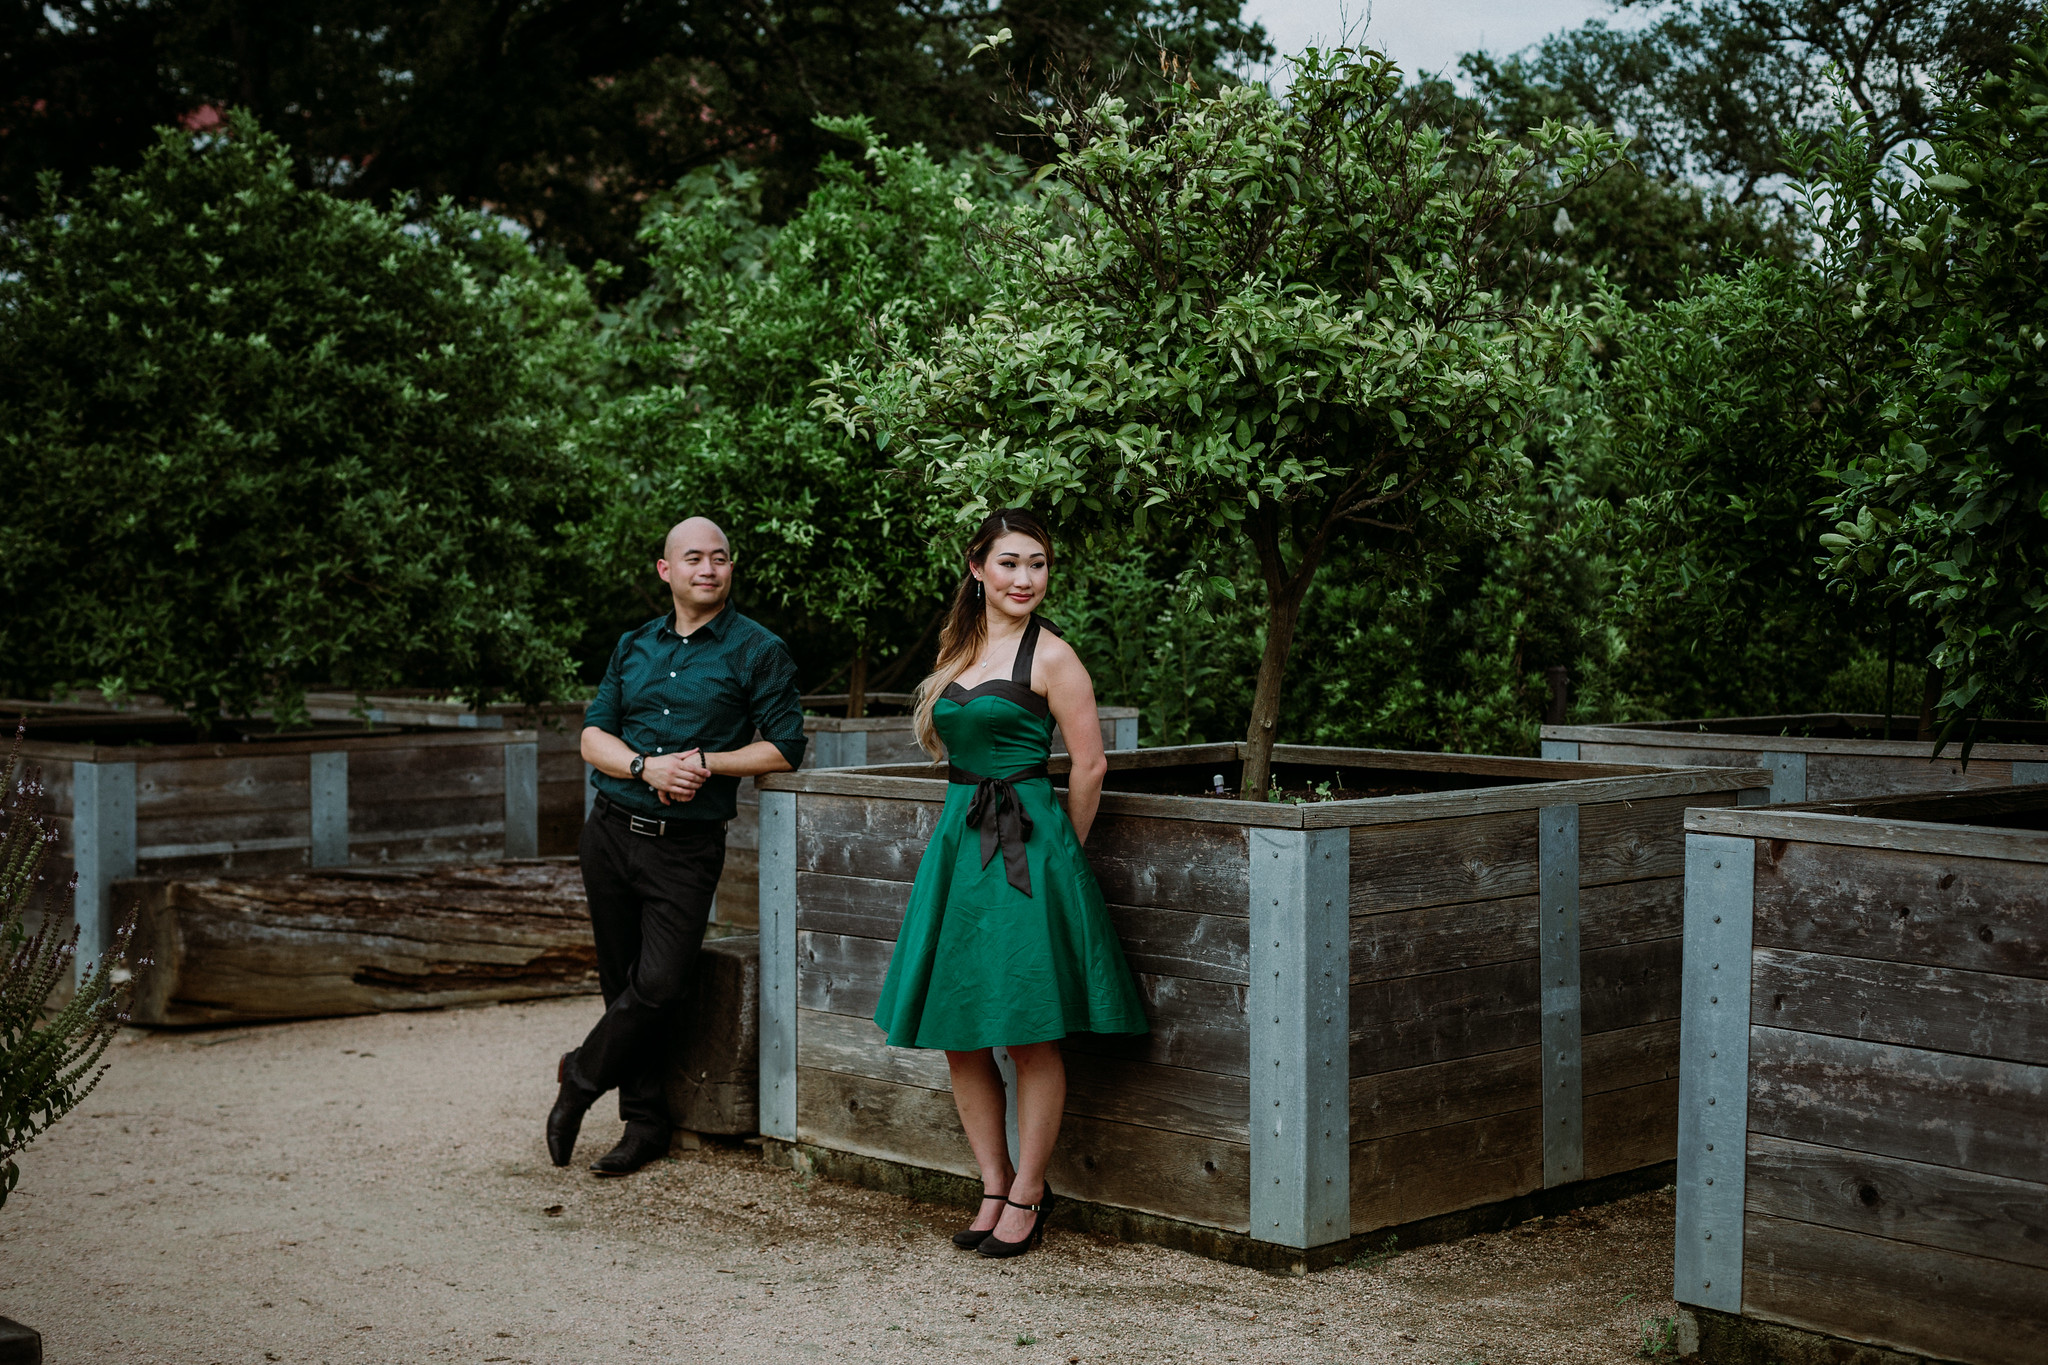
(1000, 817)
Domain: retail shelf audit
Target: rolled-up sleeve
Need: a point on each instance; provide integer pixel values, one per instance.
(607, 710)
(777, 709)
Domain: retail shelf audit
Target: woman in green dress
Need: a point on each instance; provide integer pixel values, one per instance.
(1006, 941)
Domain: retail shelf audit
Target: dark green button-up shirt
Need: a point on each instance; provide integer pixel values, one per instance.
(665, 693)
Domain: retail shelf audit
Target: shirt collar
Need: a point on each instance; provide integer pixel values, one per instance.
(714, 629)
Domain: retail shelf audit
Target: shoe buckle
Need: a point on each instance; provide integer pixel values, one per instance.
(640, 824)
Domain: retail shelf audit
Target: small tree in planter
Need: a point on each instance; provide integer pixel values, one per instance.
(47, 1065)
(1277, 322)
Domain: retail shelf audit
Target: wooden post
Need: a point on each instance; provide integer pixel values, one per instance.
(1713, 1073)
(1557, 947)
(1300, 1011)
(522, 800)
(778, 965)
(102, 849)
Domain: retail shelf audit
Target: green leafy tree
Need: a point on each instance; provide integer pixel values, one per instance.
(565, 116)
(1728, 89)
(255, 438)
(1944, 508)
(1707, 444)
(1274, 326)
(741, 322)
(49, 1061)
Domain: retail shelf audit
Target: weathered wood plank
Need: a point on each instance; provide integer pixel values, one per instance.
(1412, 1021)
(1975, 1013)
(1444, 937)
(1967, 1112)
(1421, 1174)
(1161, 942)
(1173, 865)
(847, 1043)
(1443, 1093)
(1195, 1024)
(1743, 737)
(1969, 914)
(1202, 1103)
(1176, 1175)
(1910, 1298)
(1588, 788)
(738, 900)
(306, 946)
(1906, 1201)
(1405, 867)
(1822, 827)
(860, 906)
(198, 788)
(1632, 1128)
(178, 828)
(1627, 841)
(854, 836)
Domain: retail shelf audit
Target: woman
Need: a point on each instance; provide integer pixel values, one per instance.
(1006, 942)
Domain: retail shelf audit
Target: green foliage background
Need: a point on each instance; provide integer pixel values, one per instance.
(255, 439)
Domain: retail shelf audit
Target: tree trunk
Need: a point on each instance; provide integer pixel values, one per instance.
(857, 683)
(1930, 698)
(1283, 613)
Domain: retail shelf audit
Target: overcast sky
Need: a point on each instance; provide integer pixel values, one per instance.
(1424, 35)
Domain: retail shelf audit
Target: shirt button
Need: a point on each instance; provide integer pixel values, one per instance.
(664, 710)
(671, 673)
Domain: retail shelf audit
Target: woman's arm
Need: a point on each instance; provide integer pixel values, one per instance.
(1071, 694)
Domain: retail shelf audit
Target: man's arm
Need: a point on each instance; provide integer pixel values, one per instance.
(674, 777)
(762, 756)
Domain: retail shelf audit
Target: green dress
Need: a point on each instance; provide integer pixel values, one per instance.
(1006, 939)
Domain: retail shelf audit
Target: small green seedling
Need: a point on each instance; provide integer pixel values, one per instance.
(1660, 1338)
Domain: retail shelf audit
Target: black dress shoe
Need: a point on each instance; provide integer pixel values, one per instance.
(635, 1150)
(565, 1120)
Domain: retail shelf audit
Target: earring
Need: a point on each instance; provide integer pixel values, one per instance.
(978, 594)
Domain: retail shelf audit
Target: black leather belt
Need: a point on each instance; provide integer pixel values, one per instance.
(652, 828)
(1000, 817)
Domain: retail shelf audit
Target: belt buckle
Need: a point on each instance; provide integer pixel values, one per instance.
(640, 824)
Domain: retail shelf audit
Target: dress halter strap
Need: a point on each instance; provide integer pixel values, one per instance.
(1020, 671)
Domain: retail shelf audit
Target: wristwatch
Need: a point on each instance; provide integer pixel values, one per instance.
(639, 762)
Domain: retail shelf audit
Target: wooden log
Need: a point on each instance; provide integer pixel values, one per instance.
(1911, 1298)
(1967, 1112)
(1975, 1013)
(1970, 914)
(305, 946)
(1904, 1201)
(713, 1083)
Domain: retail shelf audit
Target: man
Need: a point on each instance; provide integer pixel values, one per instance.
(669, 737)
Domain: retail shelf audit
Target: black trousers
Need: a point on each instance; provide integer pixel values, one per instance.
(650, 899)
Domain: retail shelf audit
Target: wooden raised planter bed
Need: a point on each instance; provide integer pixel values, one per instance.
(1826, 757)
(1863, 1142)
(147, 795)
(1429, 1012)
(562, 776)
(837, 742)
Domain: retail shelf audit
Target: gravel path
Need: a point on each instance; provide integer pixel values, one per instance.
(376, 1190)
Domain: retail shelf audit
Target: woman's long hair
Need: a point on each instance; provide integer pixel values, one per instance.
(966, 627)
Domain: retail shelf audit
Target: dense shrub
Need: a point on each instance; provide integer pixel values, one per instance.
(254, 438)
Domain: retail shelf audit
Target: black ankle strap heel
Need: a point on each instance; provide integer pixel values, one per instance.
(997, 1249)
(967, 1239)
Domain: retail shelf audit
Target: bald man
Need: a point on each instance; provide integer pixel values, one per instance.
(669, 736)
